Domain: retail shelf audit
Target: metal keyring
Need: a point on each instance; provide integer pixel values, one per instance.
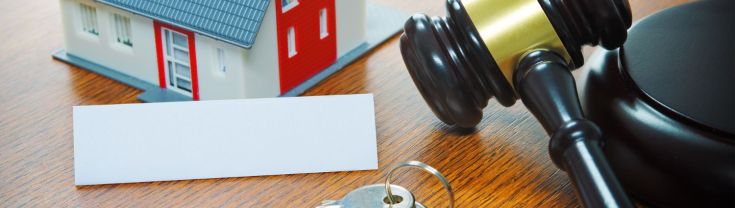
(422, 166)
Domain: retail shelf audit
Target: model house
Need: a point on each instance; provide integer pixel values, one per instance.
(213, 49)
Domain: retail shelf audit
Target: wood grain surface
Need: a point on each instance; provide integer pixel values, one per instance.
(503, 163)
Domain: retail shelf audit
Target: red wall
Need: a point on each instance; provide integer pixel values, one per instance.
(313, 53)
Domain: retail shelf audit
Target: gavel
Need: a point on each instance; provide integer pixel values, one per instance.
(521, 49)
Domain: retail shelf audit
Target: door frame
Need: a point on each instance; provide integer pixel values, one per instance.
(158, 28)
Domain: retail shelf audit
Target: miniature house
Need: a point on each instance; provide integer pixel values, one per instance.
(214, 49)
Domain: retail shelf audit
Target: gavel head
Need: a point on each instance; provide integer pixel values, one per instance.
(460, 61)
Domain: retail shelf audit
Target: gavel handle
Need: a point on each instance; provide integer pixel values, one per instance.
(545, 84)
(595, 182)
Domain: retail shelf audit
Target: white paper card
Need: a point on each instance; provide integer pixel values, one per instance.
(230, 138)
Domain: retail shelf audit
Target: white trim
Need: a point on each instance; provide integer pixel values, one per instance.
(285, 8)
(172, 77)
(323, 23)
(291, 39)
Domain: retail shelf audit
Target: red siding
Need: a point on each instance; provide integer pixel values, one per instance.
(313, 53)
(159, 55)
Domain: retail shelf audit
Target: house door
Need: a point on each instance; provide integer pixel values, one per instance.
(178, 65)
(177, 60)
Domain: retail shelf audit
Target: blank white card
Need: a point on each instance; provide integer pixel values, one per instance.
(229, 138)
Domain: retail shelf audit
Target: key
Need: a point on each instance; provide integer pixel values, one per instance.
(374, 196)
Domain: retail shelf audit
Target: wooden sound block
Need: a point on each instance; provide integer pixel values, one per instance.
(666, 105)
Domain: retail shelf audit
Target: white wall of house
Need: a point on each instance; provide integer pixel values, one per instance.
(262, 77)
(351, 24)
(250, 73)
(138, 61)
(216, 83)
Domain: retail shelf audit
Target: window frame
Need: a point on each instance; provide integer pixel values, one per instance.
(122, 26)
(220, 56)
(174, 79)
(323, 23)
(289, 6)
(291, 41)
(89, 22)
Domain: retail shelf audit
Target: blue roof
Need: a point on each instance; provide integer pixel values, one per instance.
(233, 21)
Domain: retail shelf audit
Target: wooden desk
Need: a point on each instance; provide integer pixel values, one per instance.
(503, 163)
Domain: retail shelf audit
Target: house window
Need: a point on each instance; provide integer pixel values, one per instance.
(323, 23)
(291, 42)
(221, 60)
(122, 29)
(88, 15)
(288, 5)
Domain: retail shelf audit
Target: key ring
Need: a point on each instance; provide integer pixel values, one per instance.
(422, 166)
